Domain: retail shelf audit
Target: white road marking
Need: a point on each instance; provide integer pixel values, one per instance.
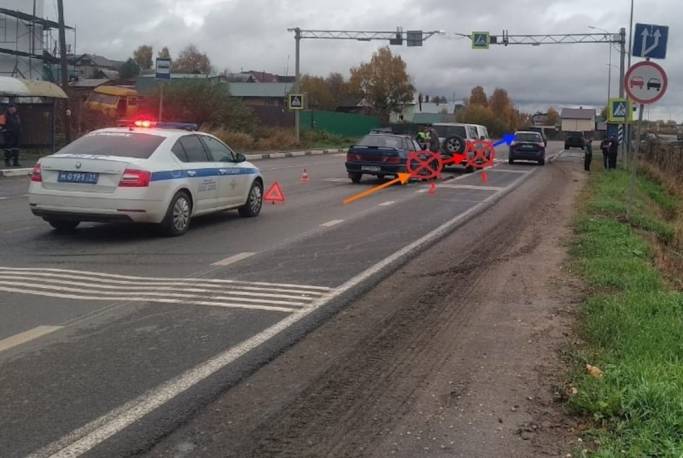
(82, 273)
(150, 296)
(3, 198)
(292, 294)
(96, 432)
(521, 172)
(27, 336)
(337, 180)
(387, 204)
(420, 191)
(332, 223)
(145, 299)
(233, 259)
(471, 186)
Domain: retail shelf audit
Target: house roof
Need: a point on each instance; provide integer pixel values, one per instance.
(262, 90)
(578, 113)
(98, 61)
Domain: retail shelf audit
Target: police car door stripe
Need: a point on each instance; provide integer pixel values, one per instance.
(202, 173)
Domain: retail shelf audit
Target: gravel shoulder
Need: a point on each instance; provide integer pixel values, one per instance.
(457, 354)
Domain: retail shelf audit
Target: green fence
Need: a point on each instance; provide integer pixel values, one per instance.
(345, 124)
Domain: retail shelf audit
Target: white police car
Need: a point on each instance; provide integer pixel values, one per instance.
(148, 173)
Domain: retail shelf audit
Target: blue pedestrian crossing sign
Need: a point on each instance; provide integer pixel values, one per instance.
(619, 111)
(649, 41)
(480, 40)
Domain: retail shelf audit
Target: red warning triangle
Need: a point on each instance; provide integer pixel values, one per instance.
(274, 194)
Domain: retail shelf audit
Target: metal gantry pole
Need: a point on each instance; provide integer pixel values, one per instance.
(65, 70)
(297, 73)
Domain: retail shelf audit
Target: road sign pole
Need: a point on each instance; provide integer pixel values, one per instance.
(161, 102)
(622, 77)
(634, 163)
(297, 118)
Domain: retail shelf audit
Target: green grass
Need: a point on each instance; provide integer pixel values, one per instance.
(631, 323)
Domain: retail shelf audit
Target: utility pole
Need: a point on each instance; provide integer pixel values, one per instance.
(297, 73)
(65, 69)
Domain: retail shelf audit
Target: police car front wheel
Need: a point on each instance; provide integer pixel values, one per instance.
(177, 219)
(254, 202)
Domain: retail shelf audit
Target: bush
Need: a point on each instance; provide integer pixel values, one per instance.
(275, 139)
(236, 140)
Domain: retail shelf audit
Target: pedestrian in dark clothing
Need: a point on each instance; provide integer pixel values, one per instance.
(434, 142)
(588, 155)
(604, 146)
(12, 133)
(612, 153)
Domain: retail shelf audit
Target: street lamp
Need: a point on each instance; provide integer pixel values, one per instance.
(609, 71)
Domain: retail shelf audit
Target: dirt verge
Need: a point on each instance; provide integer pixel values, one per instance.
(457, 354)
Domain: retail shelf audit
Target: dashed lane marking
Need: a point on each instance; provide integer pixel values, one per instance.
(388, 203)
(332, 223)
(27, 336)
(470, 186)
(233, 259)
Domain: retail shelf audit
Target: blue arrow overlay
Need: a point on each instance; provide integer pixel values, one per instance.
(507, 140)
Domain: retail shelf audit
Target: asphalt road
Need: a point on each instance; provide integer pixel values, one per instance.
(110, 337)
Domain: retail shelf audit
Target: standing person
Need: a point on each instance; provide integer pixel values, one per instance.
(434, 142)
(12, 133)
(588, 155)
(613, 151)
(423, 137)
(604, 146)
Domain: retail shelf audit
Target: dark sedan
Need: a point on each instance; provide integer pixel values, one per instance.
(380, 155)
(527, 146)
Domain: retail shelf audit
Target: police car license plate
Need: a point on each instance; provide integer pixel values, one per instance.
(77, 177)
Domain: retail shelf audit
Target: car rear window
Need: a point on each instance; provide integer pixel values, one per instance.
(382, 141)
(123, 144)
(529, 137)
(451, 131)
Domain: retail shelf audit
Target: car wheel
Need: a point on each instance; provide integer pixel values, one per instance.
(63, 225)
(541, 161)
(254, 202)
(566, 147)
(511, 161)
(178, 216)
(469, 169)
(355, 177)
(454, 145)
(381, 177)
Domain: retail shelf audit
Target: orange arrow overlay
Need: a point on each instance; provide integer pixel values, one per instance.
(403, 178)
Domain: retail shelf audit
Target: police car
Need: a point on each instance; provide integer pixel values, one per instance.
(146, 173)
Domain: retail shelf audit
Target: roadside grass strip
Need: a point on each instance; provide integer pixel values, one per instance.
(631, 323)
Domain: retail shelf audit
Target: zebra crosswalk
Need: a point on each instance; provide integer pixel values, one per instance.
(98, 286)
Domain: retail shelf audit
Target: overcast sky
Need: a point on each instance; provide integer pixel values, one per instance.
(252, 34)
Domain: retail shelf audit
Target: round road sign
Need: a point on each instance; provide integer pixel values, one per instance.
(646, 82)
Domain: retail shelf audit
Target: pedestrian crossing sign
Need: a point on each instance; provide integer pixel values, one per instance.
(296, 101)
(480, 40)
(619, 111)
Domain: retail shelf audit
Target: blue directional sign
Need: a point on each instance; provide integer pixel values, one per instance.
(649, 41)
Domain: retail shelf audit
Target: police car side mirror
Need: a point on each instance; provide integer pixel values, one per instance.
(239, 157)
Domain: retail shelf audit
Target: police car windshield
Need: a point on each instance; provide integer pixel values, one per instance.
(451, 131)
(123, 144)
